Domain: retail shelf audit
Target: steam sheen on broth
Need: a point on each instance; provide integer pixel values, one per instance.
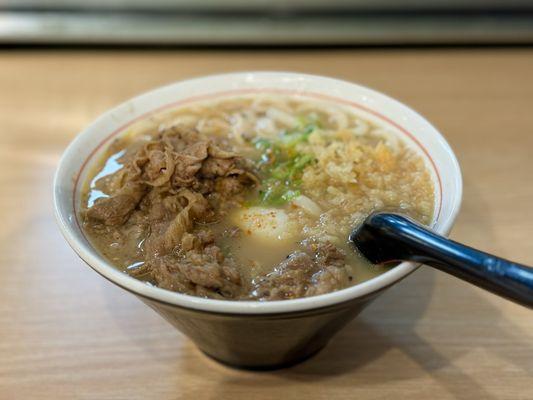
(250, 197)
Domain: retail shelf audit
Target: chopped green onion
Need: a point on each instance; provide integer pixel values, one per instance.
(282, 165)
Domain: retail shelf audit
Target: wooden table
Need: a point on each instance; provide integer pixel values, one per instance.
(66, 333)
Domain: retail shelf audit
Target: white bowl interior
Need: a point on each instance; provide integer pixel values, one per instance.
(412, 128)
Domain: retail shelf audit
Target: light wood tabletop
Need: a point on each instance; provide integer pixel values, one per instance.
(66, 333)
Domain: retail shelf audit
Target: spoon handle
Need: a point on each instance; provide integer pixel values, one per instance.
(386, 237)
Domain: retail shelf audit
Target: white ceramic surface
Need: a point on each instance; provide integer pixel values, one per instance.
(413, 128)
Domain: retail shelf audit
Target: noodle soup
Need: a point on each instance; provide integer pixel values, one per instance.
(250, 197)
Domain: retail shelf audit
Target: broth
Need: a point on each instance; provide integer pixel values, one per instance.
(249, 197)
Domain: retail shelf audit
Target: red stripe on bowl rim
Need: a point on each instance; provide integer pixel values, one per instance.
(236, 92)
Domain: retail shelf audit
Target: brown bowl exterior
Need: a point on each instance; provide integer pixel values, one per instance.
(261, 342)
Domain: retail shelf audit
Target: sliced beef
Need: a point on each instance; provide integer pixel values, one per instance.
(181, 157)
(318, 270)
(197, 241)
(168, 235)
(165, 186)
(116, 209)
(228, 186)
(203, 270)
(160, 167)
(289, 279)
(216, 152)
(328, 279)
(327, 254)
(213, 167)
(188, 162)
(179, 137)
(172, 173)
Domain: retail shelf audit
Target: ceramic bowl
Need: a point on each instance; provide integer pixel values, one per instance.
(244, 333)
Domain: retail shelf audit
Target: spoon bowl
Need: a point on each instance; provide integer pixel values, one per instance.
(388, 237)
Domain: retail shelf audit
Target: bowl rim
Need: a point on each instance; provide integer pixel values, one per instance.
(97, 263)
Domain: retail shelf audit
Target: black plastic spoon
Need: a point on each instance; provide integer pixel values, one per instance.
(387, 237)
